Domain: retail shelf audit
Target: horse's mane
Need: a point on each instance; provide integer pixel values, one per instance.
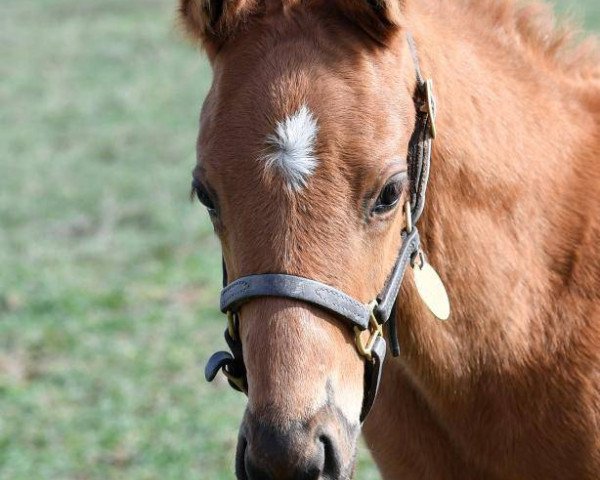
(535, 26)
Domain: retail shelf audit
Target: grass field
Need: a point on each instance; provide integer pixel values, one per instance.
(108, 274)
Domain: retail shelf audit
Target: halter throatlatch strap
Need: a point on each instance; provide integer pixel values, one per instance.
(356, 315)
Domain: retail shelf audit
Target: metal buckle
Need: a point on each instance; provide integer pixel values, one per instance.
(429, 106)
(375, 330)
(231, 325)
(418, 259)
(239, 382)
(408, 215)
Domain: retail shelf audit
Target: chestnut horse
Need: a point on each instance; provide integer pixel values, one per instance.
(302, 164)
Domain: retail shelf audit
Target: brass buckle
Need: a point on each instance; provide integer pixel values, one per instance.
(239, 382)
(429, 106)
(231, 325)
(375, 330)
(418, 259)
(408, 215)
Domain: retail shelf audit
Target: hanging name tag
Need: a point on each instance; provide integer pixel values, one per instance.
(431, 288)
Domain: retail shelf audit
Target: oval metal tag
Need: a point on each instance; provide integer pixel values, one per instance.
(432, 290)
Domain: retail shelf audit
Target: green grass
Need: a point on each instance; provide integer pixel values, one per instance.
(108, 275)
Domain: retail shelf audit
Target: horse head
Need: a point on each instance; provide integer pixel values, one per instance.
(302, 165)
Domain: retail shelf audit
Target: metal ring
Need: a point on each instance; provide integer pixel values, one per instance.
(430, 98)
(418, 255)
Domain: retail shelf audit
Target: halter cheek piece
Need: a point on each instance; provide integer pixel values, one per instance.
(358, 316)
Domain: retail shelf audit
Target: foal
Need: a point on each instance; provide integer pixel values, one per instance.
(302, 164)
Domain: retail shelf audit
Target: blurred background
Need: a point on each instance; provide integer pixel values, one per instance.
(109, 275)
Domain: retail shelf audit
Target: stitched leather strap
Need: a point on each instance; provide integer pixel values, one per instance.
(389, 294)
(215, 363)
(372, 377)
(316, 293)
(419, 147)
(297, 288)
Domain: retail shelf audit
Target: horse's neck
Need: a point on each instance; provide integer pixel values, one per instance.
(512, 186)
(511, 223)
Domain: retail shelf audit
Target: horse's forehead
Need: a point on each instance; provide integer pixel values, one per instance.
(294, 116)
(266, 117)
(286, 119)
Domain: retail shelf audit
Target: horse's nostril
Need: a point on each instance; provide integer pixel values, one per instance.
(266, 452)
(332, 463)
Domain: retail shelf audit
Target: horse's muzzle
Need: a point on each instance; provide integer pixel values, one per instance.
(299, 452)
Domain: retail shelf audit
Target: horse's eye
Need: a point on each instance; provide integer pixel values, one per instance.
(203, 197)
(389, 196)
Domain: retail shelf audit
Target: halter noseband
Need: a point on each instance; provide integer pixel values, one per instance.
(358, 316)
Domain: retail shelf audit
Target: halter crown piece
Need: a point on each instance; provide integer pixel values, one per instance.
(358, 316)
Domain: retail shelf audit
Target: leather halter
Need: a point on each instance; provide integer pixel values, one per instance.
(355, 314)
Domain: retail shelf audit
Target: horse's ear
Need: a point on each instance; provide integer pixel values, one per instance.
(212, 22)
(379, 18)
